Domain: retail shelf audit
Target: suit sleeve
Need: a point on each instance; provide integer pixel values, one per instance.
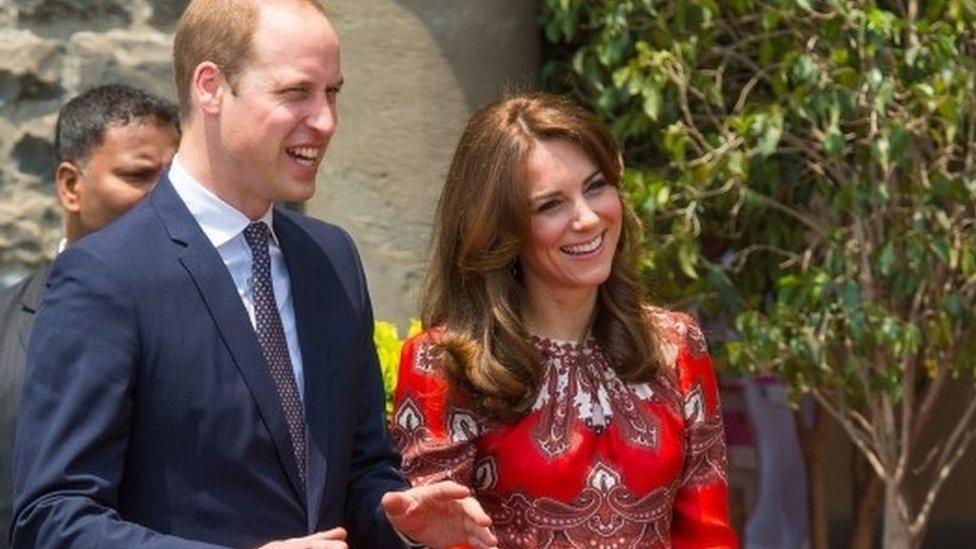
(73, 429)
(701, 509)
(374, 465)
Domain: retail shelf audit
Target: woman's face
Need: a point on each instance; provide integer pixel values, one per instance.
(575, 220)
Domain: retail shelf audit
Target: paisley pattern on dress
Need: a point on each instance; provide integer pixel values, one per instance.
(580, 385)
(597, 462)
(605, 514)
(431, 459)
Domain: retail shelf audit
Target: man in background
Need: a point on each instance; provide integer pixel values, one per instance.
(111, 145)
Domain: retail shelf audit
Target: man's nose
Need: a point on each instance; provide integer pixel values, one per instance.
(323, 119)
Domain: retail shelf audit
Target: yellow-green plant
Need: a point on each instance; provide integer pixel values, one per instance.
(388, 345)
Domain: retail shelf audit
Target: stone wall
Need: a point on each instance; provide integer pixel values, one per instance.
(50, 50)
(415, 69)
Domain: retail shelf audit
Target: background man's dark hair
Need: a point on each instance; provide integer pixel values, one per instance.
(82, 121)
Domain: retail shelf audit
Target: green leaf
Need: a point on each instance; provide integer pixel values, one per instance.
(772, 132)
(805, 70)
(941, 248)
(886, 259)
(833, 141)
(652, 102)
(688, 258)
(663, 195)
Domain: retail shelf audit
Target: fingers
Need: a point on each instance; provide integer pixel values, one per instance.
(327, 544)
(479, 535)
(395, 503)
(477, 523)
(333, 534)
(329, 539)
(439, 505)
(475, 513)
(447, 489)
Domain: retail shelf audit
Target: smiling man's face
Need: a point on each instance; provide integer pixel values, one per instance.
(276, 121)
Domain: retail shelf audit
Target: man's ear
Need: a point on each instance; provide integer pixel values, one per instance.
(66, 178)
(207, 87)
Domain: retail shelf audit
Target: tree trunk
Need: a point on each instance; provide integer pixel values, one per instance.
(813, 441)
(868, 495)
(896, 533)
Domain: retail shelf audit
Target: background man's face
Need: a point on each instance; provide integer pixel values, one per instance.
(122, 170)
(277, 125)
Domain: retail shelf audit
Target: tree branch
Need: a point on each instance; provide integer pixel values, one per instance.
(852, 432)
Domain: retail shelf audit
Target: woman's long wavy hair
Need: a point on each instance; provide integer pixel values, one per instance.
(473, 288)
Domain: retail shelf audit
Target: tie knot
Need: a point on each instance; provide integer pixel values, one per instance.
(257, 235)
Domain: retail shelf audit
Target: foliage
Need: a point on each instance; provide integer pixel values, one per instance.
(388, 345)
(805, 172)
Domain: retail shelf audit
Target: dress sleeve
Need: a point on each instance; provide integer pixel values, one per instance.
(701, 509)
(435, 435)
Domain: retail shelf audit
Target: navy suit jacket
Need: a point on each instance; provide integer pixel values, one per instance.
(18, 305)
(149, 418)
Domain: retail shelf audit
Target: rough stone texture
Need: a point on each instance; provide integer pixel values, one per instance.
(30, 232)
(30, 66)
(51, 50)
(33, 150)
(165, 13)
(135, 57)
(38, 11)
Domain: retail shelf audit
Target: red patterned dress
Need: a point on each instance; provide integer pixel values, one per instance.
(596, 463)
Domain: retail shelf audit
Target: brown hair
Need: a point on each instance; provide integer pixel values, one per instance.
(220, 31)
(473, 288)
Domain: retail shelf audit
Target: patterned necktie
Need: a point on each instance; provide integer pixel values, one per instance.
(271, 336)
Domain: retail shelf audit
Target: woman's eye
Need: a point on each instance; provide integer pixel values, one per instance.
(597, 185)
(546, 206)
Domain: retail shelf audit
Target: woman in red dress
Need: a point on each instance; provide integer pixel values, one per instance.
(579, 415)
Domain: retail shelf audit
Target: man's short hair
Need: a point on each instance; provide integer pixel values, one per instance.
(83, 120)
(219, 31)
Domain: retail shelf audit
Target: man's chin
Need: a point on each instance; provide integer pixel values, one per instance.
(296, 192)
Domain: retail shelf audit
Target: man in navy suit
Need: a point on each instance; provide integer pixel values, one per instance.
(202, 372)
(111, 145)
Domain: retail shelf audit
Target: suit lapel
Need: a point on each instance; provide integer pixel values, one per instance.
(312, 280)
(217, 290)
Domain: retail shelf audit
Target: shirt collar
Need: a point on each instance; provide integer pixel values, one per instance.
(220, 221)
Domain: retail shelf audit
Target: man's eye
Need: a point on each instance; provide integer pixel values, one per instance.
(141, 177)
(295, 92)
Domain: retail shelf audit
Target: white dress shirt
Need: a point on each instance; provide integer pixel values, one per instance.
(224, 227)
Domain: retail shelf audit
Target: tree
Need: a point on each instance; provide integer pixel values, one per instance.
(808, 167)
